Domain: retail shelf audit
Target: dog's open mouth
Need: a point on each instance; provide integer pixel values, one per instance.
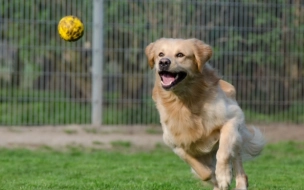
(168, 79)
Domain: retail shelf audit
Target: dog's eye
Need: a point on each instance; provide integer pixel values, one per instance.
(180, 55)
(161, 54)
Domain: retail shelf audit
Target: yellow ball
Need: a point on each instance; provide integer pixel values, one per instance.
(70, 28)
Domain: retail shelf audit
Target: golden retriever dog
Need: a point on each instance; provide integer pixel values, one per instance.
(200, 117)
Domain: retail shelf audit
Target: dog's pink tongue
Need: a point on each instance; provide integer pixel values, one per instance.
(168, 79)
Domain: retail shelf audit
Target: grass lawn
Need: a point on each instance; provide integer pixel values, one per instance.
(281, 166)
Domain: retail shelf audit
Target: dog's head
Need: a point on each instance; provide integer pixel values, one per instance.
(177, 59)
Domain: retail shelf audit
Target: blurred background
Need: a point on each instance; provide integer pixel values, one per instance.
(258, 47)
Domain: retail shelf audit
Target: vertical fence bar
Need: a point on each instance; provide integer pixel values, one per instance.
(97, 64)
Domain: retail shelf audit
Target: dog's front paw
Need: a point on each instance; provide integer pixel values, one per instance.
(223, 176)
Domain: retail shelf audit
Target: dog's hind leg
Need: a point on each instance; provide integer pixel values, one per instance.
(229, 141)
(240, 176)
(228, 89)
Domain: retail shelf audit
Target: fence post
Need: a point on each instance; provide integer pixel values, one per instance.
(97, 62)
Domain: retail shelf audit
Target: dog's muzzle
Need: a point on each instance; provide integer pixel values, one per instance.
(169, 78)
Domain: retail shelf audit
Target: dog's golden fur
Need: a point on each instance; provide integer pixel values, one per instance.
(200, 118)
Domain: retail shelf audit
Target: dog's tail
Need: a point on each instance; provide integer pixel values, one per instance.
(253, 142)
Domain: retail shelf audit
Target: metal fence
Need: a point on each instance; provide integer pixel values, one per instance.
(258, 47)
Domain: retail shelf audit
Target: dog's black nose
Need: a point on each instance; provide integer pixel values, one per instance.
(164, 64)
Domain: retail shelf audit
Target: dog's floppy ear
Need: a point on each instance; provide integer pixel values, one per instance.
(202, 52)
(149, 54)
